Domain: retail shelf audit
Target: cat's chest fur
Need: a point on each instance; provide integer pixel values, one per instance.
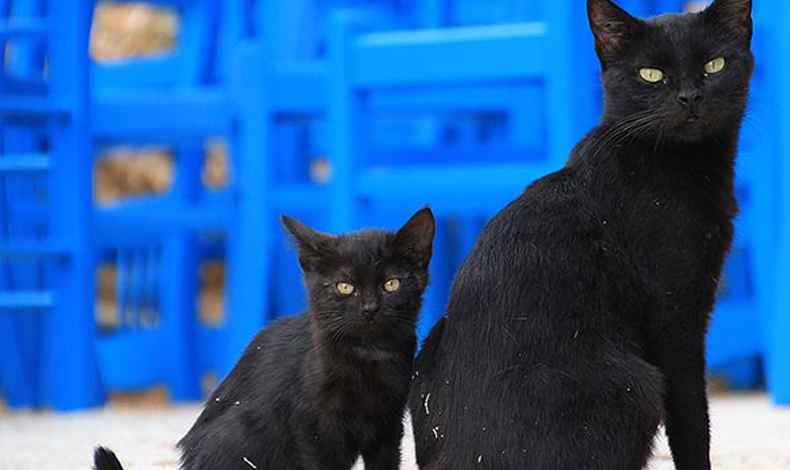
(673, 216)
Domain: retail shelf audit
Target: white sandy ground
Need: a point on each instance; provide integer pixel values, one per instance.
(748, 434)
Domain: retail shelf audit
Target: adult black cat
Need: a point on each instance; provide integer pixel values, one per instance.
(315, 391)
(576, 325)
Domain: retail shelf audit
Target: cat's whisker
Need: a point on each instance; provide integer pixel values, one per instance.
(623, 129)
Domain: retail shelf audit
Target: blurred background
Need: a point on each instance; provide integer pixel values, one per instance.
(147, 149)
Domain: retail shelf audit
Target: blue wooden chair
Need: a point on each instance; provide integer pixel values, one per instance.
(142, 100)
(290, 112)
(297, 76)
(21, 74)
(173, 99)
(374, 73)
(201, 100)
(132, 100)
(369, 63)
(43, 121)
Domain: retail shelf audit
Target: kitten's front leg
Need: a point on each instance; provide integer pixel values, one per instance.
(681, 358)
(315, 453)
(385, 453)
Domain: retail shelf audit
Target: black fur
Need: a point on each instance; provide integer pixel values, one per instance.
(576, 325)
(105, 459)
(316, 391)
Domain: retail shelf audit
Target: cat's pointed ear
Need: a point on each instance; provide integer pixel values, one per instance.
(736, 15)
(611, 25)
(312, 244)
(415, 239)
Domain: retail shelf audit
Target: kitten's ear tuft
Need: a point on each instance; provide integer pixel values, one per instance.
(736, 15)
(415, 238)
(611, 26)
(311, 243)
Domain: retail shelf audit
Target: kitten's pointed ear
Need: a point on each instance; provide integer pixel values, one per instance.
(312, 244)
(611, 26)
(736, 15)
(415, 239)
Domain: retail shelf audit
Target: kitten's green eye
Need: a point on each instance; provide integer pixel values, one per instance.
(392, 285)
(715, 66)
(344, 288)
(651, 75)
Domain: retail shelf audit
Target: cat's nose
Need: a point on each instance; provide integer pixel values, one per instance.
(689, 98)
(369, 309)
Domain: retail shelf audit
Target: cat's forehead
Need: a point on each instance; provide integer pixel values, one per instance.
(679, 37)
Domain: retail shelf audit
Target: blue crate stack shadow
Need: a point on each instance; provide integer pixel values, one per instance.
(205, 123)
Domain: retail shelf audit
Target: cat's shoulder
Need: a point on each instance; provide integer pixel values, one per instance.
(561, 192)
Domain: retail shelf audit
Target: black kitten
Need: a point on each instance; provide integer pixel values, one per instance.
(577, 323)
(315, 391)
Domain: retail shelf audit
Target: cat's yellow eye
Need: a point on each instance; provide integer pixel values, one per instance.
(392, 285)
(344, 288)
(651, 75)
(715, 66)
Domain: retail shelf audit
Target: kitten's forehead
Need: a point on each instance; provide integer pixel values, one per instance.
(364, 243)
(364, 252)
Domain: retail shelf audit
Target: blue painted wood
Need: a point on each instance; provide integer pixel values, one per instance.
(156, 215)
(32, 107)
(70, 373)
(30, 163)
(777, 324)
(134, 360)
(167, 99)
(21, 300)
(398, 59)
(249, 239)
(520, 127)
(33, 250)
(363, 65)
(15, 381)
(345, 121)
(22, 29)
(48, 286)
(22, 294)
(297, 83)
(179, 284)
(140, 116)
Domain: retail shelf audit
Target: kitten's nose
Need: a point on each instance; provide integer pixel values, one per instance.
(689, 98)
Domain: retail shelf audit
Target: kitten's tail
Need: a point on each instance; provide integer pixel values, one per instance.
(105, 459)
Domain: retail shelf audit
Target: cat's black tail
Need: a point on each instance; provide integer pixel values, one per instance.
(105, 459)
